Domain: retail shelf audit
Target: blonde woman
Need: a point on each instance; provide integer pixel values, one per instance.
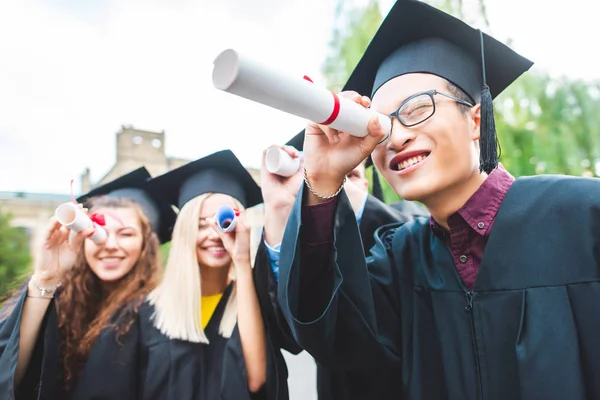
(197, 306)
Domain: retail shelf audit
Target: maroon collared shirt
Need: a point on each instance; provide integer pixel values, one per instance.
(471, 225)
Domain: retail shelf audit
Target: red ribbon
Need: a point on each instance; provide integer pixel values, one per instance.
(98, 219)
(336, 106)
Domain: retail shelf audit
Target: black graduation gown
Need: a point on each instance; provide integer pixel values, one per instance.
(43, 377)
(529, 330)
(377, 382)
(143, 364)
(375, 214)
(411, 208)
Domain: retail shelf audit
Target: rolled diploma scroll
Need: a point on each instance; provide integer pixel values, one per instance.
(239, 75)
(71, 216)
(279, 162)
(226, 218)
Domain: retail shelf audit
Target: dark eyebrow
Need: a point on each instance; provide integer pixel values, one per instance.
(124, 228)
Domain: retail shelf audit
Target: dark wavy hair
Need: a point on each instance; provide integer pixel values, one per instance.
(85, 309)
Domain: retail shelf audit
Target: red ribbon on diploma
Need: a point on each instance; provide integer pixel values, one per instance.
(98, 219)
(336, 106)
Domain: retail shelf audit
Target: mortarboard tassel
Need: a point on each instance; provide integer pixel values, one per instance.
(488, 141)
(377, 190)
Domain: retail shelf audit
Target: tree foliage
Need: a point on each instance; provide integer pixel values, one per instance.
(14, 254)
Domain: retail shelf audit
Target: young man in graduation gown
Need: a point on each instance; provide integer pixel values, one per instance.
(495, 296)
(279, 195)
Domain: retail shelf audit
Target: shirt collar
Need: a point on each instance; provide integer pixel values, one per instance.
(361, 210)
(481, 208)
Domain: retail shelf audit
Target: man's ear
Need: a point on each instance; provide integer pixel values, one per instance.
(474, 117)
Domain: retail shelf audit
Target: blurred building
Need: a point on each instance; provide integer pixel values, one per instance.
(134, 148)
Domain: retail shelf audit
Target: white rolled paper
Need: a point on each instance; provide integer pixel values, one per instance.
(279, 162)
(239, 75)
(73, 217)
(226, 219)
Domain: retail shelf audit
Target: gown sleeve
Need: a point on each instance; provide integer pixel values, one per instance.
(266, 287)
(341, 308)
(234, 378)
(30, 386)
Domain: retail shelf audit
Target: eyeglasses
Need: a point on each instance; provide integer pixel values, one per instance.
(420, 107)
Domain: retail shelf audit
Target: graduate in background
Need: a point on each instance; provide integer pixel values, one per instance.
(372, 205)
(404, 206)
(201, 335)
(82, 293)
(279, 194)
(495, 296)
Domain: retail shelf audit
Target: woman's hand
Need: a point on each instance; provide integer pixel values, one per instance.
(237, 243)
(58, 253)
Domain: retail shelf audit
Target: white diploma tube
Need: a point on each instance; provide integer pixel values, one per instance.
(226, 218)
(279, 162)
(239, 75)
(73, 217)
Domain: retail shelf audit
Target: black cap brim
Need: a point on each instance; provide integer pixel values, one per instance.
(297, 141)
(220, 172)
(134, 186)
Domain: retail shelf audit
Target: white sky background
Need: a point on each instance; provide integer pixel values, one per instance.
(76, 70)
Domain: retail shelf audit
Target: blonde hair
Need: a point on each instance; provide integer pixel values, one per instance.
(177, 298)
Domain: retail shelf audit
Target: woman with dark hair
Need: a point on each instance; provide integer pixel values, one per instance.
(82, 293)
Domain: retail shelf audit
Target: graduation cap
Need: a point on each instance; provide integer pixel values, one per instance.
(220, 172)
(297, 141)
(134, 186)
(377, 189)
(418, 38)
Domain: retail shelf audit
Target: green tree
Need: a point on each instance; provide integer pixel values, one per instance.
(549, 126)
(354, 28)
(164, 253)
(14, 254)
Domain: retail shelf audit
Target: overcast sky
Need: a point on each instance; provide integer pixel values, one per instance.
(76, 70)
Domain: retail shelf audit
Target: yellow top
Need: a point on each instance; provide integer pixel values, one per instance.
(208, 306)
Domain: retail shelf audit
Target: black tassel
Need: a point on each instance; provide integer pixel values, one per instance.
(488, 141)
(489, 148)
(377, 190)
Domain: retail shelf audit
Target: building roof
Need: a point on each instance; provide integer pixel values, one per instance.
(34, 196)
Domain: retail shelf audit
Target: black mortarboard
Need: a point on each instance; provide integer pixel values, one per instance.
(134, 186)
(418, 38)
(377, 189)
(297, 141)
(220, 172)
